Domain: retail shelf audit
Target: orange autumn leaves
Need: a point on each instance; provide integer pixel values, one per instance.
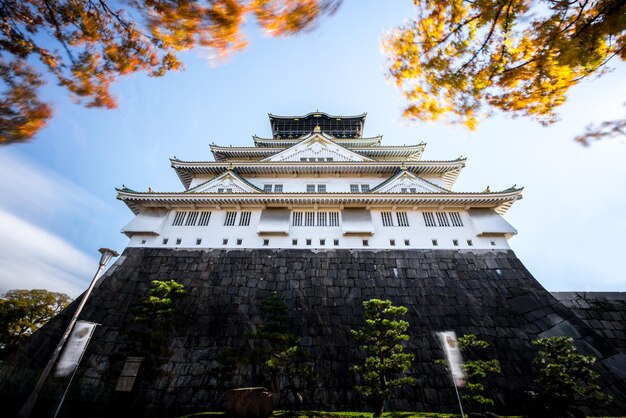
(87, 44)
(465, 60)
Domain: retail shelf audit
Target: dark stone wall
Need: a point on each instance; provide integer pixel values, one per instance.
(487, 293)
(604, 312)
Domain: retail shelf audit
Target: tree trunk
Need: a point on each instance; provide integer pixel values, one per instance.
(379, 406)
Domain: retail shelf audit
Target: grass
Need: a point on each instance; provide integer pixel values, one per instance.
(327, 414)
(345, 414)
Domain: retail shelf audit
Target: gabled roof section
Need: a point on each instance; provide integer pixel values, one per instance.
(448, 170)
(391, 153)
(406, 182)
(337, 126)
(229, 182)
(316, 147)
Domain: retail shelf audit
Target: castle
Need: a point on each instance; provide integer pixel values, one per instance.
(319, 184)
(326, 218)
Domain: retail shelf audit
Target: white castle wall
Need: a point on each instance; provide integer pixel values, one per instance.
(416, 235)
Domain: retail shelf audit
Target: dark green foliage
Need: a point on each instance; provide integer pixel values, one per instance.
(23, 312)
(478, 369)
(159, 303)
(154, 323)
(278, 352)
(566, 377)
(382, 340)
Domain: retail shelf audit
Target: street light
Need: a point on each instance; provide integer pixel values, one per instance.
(27, 409)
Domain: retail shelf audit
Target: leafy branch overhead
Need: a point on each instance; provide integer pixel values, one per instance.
(466, 59)
(87, 44)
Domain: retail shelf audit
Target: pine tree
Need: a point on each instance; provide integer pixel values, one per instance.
(382, 339)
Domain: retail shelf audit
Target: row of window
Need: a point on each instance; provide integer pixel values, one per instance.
(322, 242)
(442, 219)
(318, 159)
(320, 188)
(315, 219)
(400, 218)
(324, 218)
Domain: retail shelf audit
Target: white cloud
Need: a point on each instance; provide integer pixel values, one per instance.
(37, 206)
(32, 258)
(37, 192)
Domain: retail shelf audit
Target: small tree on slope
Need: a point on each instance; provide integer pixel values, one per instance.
(566, 377)
(382, 340)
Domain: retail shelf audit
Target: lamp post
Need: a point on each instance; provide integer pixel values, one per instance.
(27, 408)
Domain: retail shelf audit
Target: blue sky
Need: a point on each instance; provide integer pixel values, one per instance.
(58, 201)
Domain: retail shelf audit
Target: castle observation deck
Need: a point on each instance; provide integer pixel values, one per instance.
(297, 126)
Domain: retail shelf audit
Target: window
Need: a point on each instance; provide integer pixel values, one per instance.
(336, 242)
(455, 242)
(278, 188)
(392, 242)
(239, 241)
(407, 242)
(493, 243)
(435, 242)
(442, 219)
(302, 159)
(354, 188)
(366, 243)
(191, 219)
(179, 241)
(365, 187)
(224, 241)
(408, 189)
(296, 219)
(244, 219)
(204, 218)
(470, 243)
(312, 188)
(143, 241)
(403, 219)
(387, 218)
(294, 242)
(230, 218)
(329, 159)
(220, 190)
(429, 219)
(311, 218)
(455, 217)
(198, 241)
(266, 242)
(229, 190)
(322, 242)
(179, 218)
(308, 241)
(165, 240)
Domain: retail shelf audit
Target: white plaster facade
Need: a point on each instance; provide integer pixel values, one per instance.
(312, 195)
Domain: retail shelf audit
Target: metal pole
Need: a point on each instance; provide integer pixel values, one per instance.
(29, 405)
(67, 388)
(456, 390)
